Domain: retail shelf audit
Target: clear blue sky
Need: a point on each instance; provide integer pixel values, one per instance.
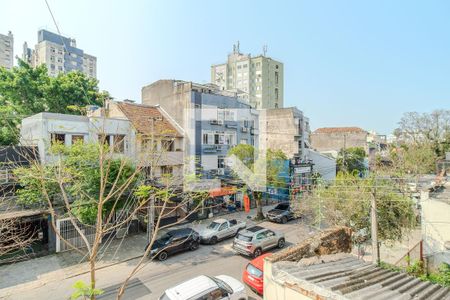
(347, 63)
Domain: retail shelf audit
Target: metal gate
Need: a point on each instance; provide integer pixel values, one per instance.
(70, 234)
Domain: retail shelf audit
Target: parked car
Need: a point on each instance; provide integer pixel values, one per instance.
(254, 273)
(254, 240)
(220, 229)
(281, 213)
(207, 287)
(174, 241)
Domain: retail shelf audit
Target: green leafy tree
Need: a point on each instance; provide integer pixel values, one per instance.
(273, 166)
(84, 291)
(25, 91)
(351, 160)
(347, 201)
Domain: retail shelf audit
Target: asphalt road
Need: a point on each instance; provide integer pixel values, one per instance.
(156, 277)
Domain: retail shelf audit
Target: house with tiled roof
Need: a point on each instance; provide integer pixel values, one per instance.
(332, 139)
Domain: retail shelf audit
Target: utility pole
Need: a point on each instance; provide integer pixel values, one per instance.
(374, 227)
(151, 204)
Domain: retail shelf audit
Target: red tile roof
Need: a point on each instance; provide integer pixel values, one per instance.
(339, 130)
(140, 116)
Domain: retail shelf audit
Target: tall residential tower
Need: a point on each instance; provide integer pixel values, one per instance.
(6, 50)
(60, 54)
(258, 79)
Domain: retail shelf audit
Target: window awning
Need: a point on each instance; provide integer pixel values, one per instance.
(222, 191)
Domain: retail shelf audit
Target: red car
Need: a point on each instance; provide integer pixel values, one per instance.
(253, 274)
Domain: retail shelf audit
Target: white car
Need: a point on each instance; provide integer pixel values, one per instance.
(207, 287)
(220, 229)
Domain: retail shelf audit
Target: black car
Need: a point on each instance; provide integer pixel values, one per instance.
(173, 241)
(281, 213)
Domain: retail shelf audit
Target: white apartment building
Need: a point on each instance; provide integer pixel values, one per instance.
(126, 127)
(59, 54)
(258, 79)
(7, 50)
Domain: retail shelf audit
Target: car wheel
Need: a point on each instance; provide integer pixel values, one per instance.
(281, 243)
(162, 256)
(284, 220)
(257, 252)
(194, 246)
(213, 240)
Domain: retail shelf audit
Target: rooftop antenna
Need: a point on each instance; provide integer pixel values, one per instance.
(264, 50)
(237, 47)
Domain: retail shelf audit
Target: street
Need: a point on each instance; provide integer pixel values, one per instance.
(156, 277)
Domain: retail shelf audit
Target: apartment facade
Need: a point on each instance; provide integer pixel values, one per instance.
(331, 140)
(60, 54)
(127, 128)
(285, 129)
(213, 120)
(259, 80)
(7, 50)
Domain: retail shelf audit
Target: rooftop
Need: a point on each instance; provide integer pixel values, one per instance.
(339, 130)
(343, 276)
(142, 116)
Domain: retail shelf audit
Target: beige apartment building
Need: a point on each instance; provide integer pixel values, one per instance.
(258, 79)
(7, 50)
(59, 54)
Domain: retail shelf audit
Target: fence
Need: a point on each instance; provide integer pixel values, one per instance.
(71, 235)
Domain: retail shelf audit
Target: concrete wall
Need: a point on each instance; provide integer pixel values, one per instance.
(330, 241)
(436, 232)
(336, 141)
(324, 165)
(7, 50)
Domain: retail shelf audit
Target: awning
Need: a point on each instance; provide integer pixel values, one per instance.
(21, 214)
(227, 190)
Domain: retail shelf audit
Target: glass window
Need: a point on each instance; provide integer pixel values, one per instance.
(166, 170)
(119, 143)
(220, 162)
(276, 77)
(244, 238)
(223, 226)
(58, 138)
(167, 145)
(205, 139)
(261, 235)
(254, 271)
(77, 138)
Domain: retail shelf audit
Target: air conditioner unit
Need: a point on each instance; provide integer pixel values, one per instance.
(220, 122)
(244, 129)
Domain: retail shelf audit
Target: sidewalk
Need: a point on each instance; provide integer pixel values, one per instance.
(40, 271)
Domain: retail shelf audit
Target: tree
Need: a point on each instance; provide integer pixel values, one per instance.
(100, 190)
(347, 201)
(426, 129)
(25, 91)
(272, 166)
(351, 160)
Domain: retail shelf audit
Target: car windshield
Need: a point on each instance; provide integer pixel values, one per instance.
(244, 238)
(222, 285)
(254, 271)
(214, 226)
(282, 206)
(164, 297)
(164, 238)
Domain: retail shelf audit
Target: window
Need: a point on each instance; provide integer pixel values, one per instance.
(77, 138)
(276, 77)
(167, 145)
(147, 170)
(60, 51)
(52, 49)
(58, 138)
(258, 64)
(52, 58)
(119, 143)
(104, 139)
(220, 162)
(205, 139)
(4, 176)
(276, 67)
(261, 235)
(166, 170)
(223, 226)
(60, 68)
(245, 66)
(276, 94)
(243, 141)
(52, 67)
(239, 67)
(216, 139)
(59, 59)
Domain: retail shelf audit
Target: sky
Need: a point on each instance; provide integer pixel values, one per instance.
(347, 63)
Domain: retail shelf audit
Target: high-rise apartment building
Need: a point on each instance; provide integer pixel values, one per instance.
(60, 54)
(258, 79)
(7, 50)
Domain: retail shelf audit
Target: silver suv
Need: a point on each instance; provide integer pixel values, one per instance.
(254, 240)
